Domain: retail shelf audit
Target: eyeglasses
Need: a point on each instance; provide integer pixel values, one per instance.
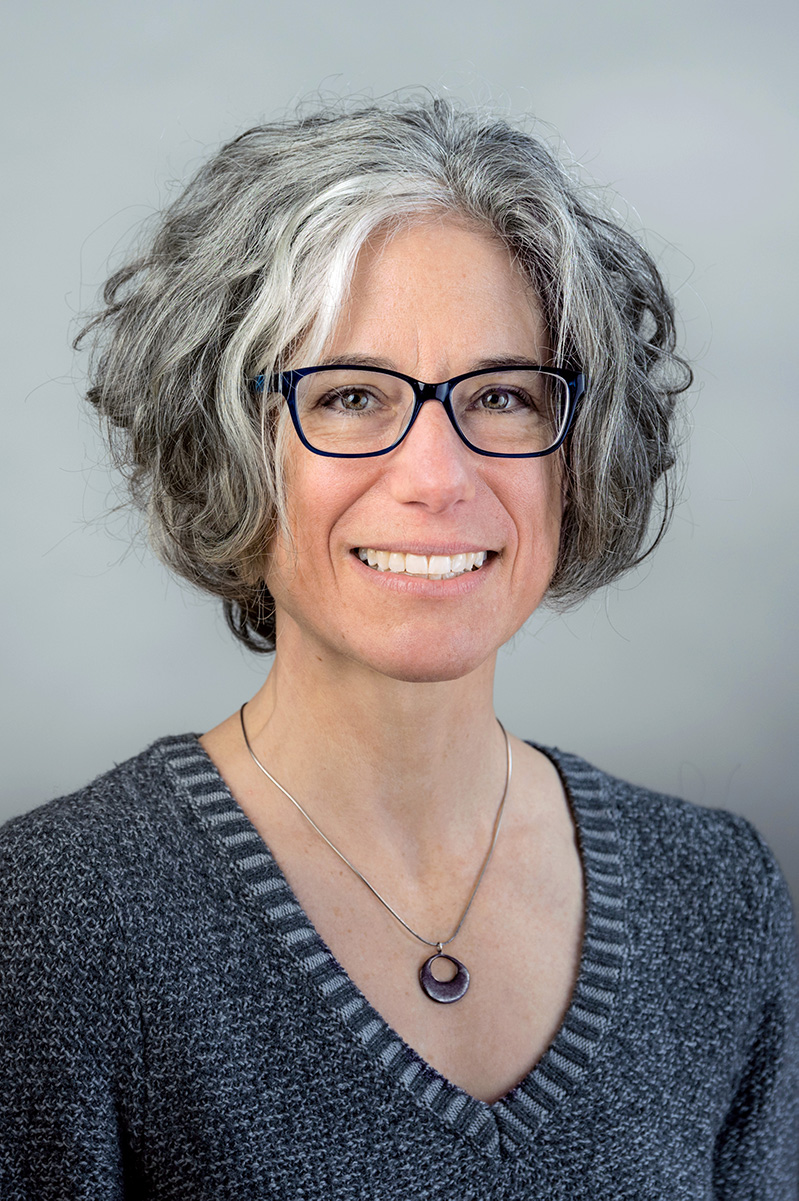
(349, 412)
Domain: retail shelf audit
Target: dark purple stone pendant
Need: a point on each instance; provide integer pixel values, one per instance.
(444, 991)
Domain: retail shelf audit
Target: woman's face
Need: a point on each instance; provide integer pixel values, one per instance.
(433, 301)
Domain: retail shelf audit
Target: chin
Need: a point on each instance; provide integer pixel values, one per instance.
(413, 652)
(427, 674)
(422, 661)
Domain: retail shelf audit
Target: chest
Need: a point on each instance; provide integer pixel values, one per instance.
(520, 943)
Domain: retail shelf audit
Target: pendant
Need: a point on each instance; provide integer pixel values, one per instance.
(444, 991)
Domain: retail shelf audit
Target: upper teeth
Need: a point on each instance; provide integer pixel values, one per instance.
(435, 567)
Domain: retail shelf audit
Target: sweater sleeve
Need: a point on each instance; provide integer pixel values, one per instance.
(68, 1021)
(757, 1150)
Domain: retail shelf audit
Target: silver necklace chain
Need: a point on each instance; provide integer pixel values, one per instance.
(497, 823)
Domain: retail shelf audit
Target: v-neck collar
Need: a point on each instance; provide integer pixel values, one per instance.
(510, 1124)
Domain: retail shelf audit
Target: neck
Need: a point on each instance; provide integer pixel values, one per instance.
(415, 769)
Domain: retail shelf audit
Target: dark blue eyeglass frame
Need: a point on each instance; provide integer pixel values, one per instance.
(286, 383)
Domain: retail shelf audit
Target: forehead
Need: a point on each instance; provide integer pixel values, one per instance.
(438, 292)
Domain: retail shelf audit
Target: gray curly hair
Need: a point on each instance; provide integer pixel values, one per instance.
(246, 272)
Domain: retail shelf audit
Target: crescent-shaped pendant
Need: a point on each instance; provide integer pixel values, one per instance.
(444, 991)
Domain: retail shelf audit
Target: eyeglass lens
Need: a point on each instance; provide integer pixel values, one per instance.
(362, 410)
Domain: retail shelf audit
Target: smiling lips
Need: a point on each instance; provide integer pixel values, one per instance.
(433, 567)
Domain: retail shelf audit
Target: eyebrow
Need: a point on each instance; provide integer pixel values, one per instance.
(506, 360)
(357, 360)
(382, 364)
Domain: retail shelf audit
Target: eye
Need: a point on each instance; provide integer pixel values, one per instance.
(350, 400)
(495, 400)
(504, 400)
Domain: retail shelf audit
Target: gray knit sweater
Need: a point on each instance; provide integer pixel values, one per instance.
(174, 1027)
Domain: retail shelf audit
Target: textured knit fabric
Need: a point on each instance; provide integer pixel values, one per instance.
(174, 1027)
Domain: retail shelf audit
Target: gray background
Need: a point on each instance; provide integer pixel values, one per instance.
(680, 677)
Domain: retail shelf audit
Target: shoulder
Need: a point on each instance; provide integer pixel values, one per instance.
(662, 833)
(696, 879)
(77, 851)
(138, 786)
(82, 903)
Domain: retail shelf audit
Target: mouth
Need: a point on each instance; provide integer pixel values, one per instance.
(429, 567)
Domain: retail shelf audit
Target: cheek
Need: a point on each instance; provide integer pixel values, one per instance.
(318, 496)
(539, 503)
(309, 490)
(553, 493)
(538, 511)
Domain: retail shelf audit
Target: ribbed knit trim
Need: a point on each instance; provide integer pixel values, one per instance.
(510, 1124)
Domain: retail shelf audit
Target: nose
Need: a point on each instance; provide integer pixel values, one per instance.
(432, 466)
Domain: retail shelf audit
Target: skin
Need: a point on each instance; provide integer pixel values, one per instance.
(460, 302)
(378, 712)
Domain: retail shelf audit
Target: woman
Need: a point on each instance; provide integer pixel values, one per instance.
(357, 941)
